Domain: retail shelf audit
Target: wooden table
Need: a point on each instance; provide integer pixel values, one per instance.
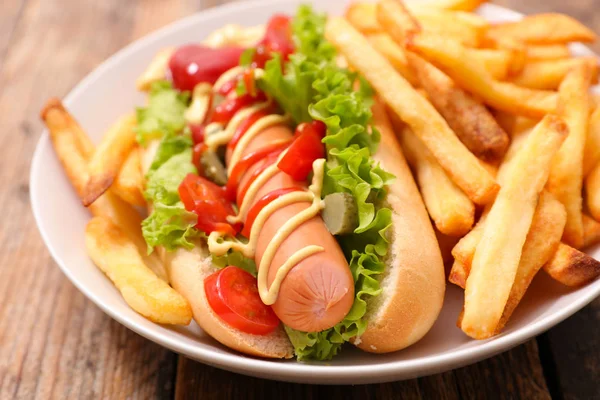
(56, 343)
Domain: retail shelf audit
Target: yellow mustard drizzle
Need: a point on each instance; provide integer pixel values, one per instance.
(227, 76)
(223, 136)
(219, 246)
(257, 128)
(198, 108)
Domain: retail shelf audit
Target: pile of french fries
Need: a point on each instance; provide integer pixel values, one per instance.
(502, 133)
(108, 179)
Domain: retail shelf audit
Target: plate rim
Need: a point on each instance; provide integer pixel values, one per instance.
(297, 371)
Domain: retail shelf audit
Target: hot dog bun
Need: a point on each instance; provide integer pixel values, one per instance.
(187, 271)
(413, 282)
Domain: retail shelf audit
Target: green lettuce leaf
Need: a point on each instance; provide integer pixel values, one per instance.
(312, 86)
(164, 113)
(235, 258)
(170, 226)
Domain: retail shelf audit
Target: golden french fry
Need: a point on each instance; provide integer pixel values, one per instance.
(450, 209)
(468, 118)
(547, 51)
(517, 51)
(571, 267)
(497, 255)
(548, 74)
(396, 20)
(458, 274)
(472, 76)
(468, 29)
(592, 192)
(362, 16)
(540, 245)
(68, 140)
(452, 5)
(550, 28)
(130, 182)
(113, 252)
(105, 163)
(395, 54)
(413, 109)
(566, 175)
(156, 70)
(591, 151)
(591, 231)
(514, 124)
(499, 63)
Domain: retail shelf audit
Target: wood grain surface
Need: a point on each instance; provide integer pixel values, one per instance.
(54, 343)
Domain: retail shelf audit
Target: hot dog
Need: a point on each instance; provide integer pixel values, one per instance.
(263, 209)
(307, 301)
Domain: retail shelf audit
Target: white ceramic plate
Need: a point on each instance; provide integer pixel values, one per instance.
(109, 92)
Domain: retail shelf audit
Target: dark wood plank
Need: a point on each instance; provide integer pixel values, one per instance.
(53, 342)
(514, 374)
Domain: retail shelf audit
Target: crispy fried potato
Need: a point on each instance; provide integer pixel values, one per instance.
(592, 191)
(497, 255)
(468, 29)
(517, 51)
(514, 124)
(469, 119)
(550, 28)
(415, 111)
(130, 182)
(499, 63)
(68, 140)
(538, 52)
(396, 20)
(566, 175)
(472, 76)
(591, 151)
(540, 245)
(395, 54)
(113, 252)
(571, 267)
(591, 231)
(548, 74)
(108, 158)
(452, 5)
(450, 209)
(363, 17)
(156, 70)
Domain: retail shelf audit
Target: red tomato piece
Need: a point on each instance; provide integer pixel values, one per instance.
(233, 295)
(262, 203)
(246, 162)
(230, 106)
(192, 64)
(199, 148)
(206, 200)
(228, 87)
(303, 151)
(197, 133)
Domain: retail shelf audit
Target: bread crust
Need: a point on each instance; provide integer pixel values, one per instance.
(413, 283)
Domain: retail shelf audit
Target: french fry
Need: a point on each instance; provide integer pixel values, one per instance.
(517, 51)
(591, 151)
(472, 76)
(540, 245)
(514, 124)
(362, 16)
(68, 140)
(592, 192)
(396, 20)
(108, 158)
(571, 267)
(566, 175)
(118, 257)
(452, 5)
(413, 109)
(458, 274)
(469, 119)
(550, 28)
(450, 209)
(497, 255)
(446, 244)
(498, 62)
(547, 52)
(156, 70)
(548, 74)
(591, 231)
(129, 182)
(395, 54)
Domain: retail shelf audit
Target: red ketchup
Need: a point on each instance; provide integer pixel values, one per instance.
(193, 64)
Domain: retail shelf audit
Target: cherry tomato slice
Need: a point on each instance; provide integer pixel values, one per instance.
(230, 106)
(262, 203)
(192, 64)
(267, 162)
(246, 162)
(303, 151)
(233, 295)
(206, 200)
(197, 133)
